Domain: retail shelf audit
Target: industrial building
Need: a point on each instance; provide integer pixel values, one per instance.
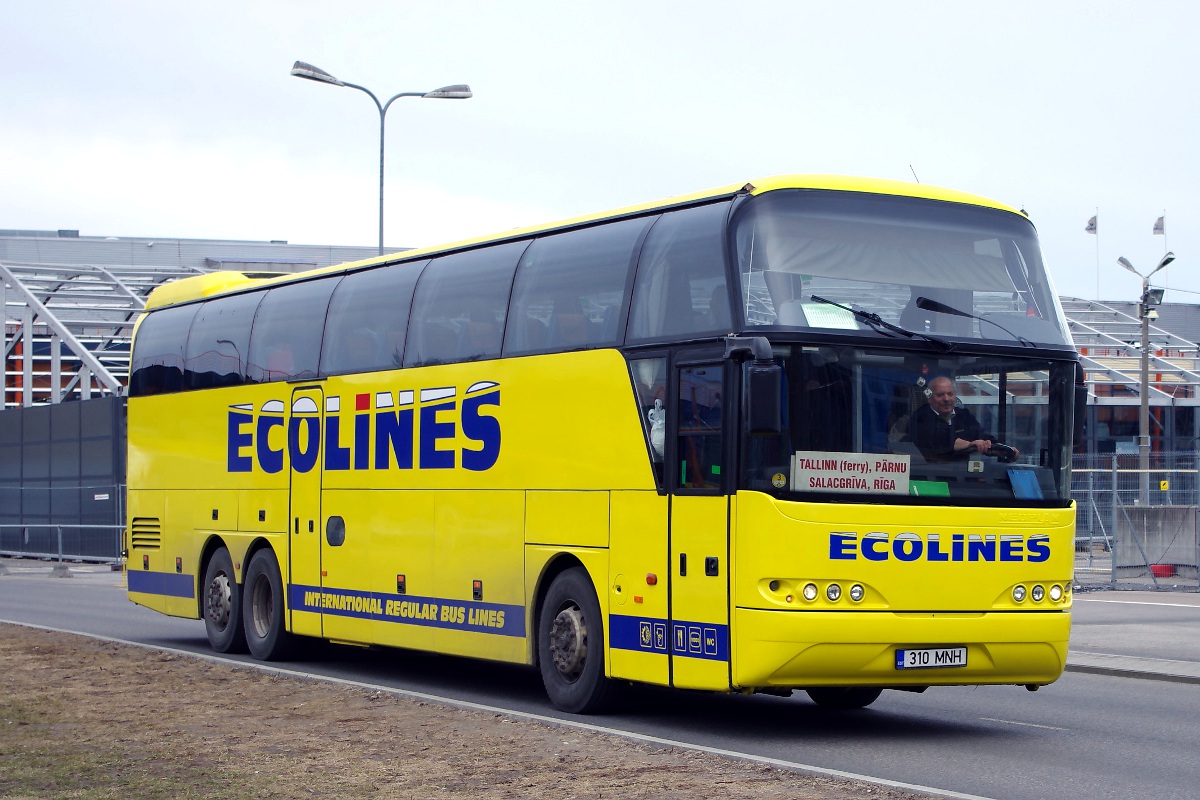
(70, 303)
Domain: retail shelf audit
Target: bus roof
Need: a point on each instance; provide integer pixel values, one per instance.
(206, 285)
(203, 286)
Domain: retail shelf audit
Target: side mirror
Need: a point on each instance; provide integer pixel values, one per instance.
(764, 398)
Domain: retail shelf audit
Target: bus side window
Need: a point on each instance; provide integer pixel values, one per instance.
(157, 365)
(571, 289)
(219, 341)
(680, 275)
(285, 343)
(368, 318)
(463, 296)
(650, 385)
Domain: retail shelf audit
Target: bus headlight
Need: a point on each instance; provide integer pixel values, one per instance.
(1056, 593)
(810, 591)
(1019, 594)
(857, 592)
(1039, 593)
(833, 592)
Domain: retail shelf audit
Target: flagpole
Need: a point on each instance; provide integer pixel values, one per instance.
(1160, 229)
(1096, 232)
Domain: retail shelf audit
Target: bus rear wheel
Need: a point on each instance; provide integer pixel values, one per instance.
(222, 605)
(263, 609)
(571, 645)
(844, 697)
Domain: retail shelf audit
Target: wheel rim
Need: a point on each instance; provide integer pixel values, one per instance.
(568, 643)
(262, 606)
(220, 601)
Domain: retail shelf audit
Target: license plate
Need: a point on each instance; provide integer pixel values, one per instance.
(930, 658)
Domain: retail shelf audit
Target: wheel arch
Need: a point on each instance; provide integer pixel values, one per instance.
(240, 560)
(553, 567)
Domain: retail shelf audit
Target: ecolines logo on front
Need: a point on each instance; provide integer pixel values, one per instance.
(880, 546)
(410, 429)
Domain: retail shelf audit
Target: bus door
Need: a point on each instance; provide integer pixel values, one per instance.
(303, 572)
(699, 539)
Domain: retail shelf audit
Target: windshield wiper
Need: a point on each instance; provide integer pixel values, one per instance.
(926, 304)
(880, 324)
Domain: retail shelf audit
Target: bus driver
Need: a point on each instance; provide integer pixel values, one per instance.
(944, 432)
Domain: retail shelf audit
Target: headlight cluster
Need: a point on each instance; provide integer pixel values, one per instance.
(1038, 592)
(833, 592)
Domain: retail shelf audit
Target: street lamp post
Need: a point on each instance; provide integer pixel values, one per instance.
(458, 91)
(1146, 312)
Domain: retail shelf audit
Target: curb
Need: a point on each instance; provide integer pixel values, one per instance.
(1152, 669)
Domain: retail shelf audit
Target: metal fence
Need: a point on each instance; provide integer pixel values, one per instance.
(72, 522)
(100, 544)
(1123, 542)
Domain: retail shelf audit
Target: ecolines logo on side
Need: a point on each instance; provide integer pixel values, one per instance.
(880, 546)
(387, 430)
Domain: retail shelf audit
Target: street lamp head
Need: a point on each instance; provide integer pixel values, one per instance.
(307, 71)
(459, 91)
(1124, 262)
(1167, 259)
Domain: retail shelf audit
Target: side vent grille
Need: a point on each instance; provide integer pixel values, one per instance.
(145, 533)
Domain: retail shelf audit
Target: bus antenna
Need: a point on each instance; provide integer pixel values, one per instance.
(914, 172)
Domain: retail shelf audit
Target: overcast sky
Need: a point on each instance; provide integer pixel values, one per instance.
(171, 119)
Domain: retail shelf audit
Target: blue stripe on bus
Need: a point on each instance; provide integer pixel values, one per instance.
(704, 640)
(434, 612)
(167, 584)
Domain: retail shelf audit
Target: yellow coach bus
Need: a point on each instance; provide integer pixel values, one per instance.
(810, 433)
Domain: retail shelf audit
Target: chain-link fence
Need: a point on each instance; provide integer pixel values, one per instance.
(1135, 528)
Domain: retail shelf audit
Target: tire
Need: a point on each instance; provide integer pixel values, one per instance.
(844, 697)
(262, 610)
(571, 645)
(222, 605)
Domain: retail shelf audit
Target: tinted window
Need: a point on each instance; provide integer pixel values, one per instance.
(460, 306)
(367, 319)
(286, 341)
(570, 289)
(680, 289)
(219, 341)
(157, 365)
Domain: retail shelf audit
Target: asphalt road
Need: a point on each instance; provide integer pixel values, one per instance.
(1087, 736)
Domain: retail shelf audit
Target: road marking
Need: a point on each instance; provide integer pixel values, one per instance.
(1024, 724)
(793, 766)
(1136, 603)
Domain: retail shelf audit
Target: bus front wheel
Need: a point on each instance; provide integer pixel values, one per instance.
(222, 610)
(571, 645)
(844, 697)
(262, 608)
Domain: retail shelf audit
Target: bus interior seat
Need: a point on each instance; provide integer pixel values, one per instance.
(569, 331)
(438, 345)
(718, 309)
(608, 325)
(359, 351)
(280, 363)
(535, 334)
(478, 339)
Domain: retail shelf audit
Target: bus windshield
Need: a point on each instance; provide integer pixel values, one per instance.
(866, 425)
(810, 258)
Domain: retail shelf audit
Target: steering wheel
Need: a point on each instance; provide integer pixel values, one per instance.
(1002, 453)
